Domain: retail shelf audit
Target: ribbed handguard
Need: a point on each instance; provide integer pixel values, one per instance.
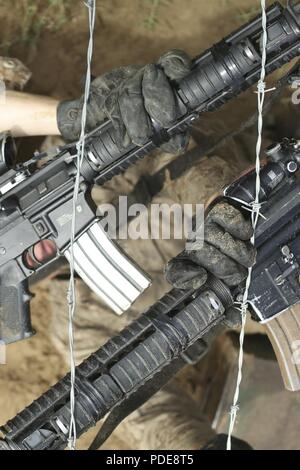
(116, 370)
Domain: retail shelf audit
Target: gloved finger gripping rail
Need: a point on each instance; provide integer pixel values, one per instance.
(218, 75)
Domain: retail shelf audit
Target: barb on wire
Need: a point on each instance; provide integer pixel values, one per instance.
(255, 213)
(91, 5)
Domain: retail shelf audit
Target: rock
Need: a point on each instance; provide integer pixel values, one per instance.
(13, 73)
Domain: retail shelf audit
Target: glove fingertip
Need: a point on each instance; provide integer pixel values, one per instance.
(159, 99)
(232, 220)
(183, 274)
(132, 111)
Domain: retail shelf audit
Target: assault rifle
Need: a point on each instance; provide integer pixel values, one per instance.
(132, 366)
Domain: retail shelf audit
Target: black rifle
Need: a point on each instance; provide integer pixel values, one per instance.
(133, 365)
(177, 323)
(36, 204)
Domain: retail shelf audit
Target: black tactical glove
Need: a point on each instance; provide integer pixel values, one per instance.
(226, 251)
(130, 97)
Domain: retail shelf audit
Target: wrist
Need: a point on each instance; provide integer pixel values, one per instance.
(28, 115)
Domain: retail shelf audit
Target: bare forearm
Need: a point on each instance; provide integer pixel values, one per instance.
(24, 114)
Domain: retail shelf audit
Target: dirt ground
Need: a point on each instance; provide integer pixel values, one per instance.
(127, 31)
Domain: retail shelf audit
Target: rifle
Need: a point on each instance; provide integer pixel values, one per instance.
(176, 330)
(36, 204)
(179, 321)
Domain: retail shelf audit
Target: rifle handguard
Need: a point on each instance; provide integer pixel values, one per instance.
(120, 367)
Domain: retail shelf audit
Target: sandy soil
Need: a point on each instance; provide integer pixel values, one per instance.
(58, 65)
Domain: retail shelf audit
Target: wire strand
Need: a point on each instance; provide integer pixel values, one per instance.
(255, 213)
(71, 297)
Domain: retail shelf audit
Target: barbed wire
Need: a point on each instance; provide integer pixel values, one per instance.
(71, 297)
(255, 213)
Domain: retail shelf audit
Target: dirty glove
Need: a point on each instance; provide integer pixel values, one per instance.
(130, 96)
(225, 252)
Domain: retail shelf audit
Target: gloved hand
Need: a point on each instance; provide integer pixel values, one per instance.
(130, 96)
(226, 251)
